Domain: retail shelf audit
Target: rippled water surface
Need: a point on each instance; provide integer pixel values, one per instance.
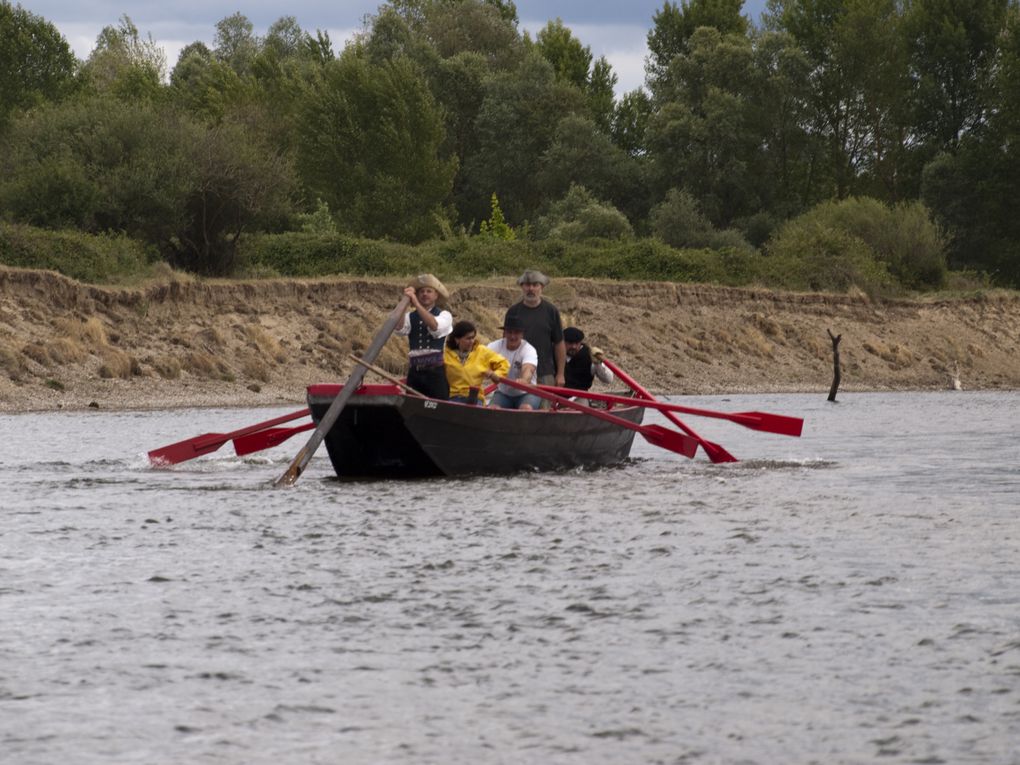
(850, 596)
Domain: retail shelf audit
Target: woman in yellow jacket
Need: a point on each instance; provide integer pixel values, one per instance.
(469, 363)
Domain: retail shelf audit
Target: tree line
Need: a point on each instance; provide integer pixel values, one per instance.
(875, 138)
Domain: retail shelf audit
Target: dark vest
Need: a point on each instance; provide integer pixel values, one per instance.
(577, 370)
(420, 339)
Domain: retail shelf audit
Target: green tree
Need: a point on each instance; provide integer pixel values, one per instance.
(574, 65)
(952, 49)
(570, 59)
(36, 63)
(973, 191)
(205, 86)
(855, 96)
(146, 169)
(126, 65)
(630, 122)
(901, 239)
(515, 126)
(582, 155)
(786, 163)
(369, 145)
(236, 44)
(674, 25)
(285, 38)
(470, 26)
(702, 138)
(601, 92)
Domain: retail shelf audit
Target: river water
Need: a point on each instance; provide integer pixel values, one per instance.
(852, 596)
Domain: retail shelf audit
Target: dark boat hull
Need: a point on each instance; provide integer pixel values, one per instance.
(383, 433)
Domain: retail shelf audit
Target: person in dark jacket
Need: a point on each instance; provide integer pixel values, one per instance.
(584, 364)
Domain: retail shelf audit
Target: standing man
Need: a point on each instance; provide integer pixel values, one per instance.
(584, 364)
(543, 327)
(426, 326)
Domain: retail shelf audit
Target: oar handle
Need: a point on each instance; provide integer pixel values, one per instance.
(386, 375)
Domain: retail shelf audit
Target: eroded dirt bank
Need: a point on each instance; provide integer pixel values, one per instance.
(187, 343)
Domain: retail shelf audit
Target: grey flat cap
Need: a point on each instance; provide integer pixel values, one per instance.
(531, 276)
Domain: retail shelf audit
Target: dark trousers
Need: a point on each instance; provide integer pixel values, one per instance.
(430, 381)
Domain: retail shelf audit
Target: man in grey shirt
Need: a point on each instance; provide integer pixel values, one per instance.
(543, 327)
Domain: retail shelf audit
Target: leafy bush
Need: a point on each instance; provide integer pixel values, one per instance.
(579, 215)
(679, 222)
(89, 258)
(902, 238)
(810, 256)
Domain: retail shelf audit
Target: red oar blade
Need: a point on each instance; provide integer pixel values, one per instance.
(716, 453)
(267, 439)
(669, 439)
(188, 449)
(210, 442)
(779, 424)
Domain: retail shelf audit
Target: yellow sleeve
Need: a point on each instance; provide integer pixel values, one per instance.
(497, 363)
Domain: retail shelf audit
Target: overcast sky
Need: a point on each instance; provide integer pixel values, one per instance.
(616, 29)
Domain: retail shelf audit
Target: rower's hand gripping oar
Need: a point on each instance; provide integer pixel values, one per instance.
(654, 434)
(714, 451)
(297, 467)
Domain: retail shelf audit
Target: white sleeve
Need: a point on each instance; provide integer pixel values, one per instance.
(529, 355)
(405, 328)
(444, 324)
(604, 373)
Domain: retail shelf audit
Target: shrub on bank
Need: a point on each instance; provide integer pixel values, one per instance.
(819, 259)
(902, 239)
(97, 259)
(308, 255)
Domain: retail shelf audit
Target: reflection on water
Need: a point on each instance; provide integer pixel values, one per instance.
(849, 596)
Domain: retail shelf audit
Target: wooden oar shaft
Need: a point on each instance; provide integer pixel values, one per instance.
(386, 376)
(297, 467)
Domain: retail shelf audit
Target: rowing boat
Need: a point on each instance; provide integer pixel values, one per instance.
(384, 432)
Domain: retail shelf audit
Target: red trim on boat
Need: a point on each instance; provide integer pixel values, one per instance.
(332, 389)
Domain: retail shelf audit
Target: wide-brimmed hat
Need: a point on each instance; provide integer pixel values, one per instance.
(531, 276)
(513, 322)
(428, 280)
(573, 335)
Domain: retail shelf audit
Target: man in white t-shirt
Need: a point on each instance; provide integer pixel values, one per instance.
(523, 360)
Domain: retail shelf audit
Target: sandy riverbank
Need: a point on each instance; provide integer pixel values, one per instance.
(185, 343)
